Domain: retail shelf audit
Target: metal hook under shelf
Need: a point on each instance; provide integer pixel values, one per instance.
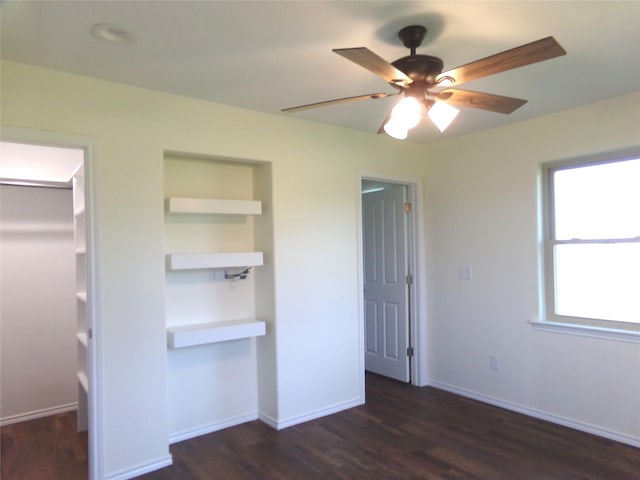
(241, 275)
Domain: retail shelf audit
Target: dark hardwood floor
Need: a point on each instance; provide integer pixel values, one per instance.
(403, 432)
(48, 448)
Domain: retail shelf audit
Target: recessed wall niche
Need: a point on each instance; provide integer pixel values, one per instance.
(217, 237)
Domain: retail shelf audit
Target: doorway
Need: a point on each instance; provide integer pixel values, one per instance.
(42, 167)
(388, 271)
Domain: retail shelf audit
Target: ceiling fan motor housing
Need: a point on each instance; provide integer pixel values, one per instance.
(420, 68)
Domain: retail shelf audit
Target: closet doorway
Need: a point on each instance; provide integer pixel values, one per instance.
(392, 280)
(46, 286)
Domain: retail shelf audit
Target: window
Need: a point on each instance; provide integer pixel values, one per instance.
(592, 243)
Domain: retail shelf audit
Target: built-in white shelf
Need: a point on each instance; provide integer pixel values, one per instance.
(213, 206)
(204, 333)
(82, 338)
(191, 261)
(80, 232)
(84, 381)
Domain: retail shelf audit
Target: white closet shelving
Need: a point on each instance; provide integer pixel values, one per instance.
(84, 381)
(82, 338)
(180, 336)
(82, 333)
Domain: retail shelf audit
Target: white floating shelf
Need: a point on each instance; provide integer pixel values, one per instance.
(84, 381)
(213, 206)
(193, 261)
(204, 333)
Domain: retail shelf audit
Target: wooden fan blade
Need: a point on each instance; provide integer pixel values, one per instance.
(533, 52)
(339, 100)
(485, 101)
(372, 62)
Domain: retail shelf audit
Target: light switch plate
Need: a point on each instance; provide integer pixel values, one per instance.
(465, 272)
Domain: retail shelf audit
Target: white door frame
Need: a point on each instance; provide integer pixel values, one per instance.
(417, 263)
(50, 139)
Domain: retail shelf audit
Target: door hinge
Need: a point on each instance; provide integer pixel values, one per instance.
(89, 333)
(407, 207)
(409, 351)
(409, 279)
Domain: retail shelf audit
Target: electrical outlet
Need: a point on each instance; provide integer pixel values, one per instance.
(494, 362)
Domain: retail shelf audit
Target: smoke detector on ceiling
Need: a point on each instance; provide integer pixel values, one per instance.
(111, 33)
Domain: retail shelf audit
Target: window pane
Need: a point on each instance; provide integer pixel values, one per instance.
(599, 281)
(598, 201)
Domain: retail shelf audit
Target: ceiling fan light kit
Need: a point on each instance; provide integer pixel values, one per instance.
(442, 114)
(425, 87)
(396, 130)
(404, 116)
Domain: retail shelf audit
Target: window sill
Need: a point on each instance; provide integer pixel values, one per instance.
(587, 331)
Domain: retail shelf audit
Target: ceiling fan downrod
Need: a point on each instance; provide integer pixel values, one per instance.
(419, 68)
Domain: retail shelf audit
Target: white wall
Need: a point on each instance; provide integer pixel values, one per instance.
(482, 210)
(37, 305)
(309, 359)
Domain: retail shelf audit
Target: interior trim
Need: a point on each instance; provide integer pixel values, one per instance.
(45, 412)
(542, 415)
(587, 331)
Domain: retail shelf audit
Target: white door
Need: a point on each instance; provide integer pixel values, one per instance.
(385, 281)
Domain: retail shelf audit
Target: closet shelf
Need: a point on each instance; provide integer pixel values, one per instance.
(84, 381)
(213, 206)
(82, 338)
(205, 333)
(193, 261)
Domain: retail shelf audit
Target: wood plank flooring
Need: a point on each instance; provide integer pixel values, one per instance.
(403, 432)
(48, 448)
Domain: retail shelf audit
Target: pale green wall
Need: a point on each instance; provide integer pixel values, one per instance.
(314, 195)
(482, 209)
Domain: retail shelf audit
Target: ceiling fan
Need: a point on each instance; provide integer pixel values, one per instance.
(425, 87)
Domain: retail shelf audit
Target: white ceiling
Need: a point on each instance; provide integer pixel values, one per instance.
(22, 163)
(268, 55)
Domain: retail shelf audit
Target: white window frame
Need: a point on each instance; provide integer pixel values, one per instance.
(616, 330)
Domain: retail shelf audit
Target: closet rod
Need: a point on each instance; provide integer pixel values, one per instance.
(43, 184)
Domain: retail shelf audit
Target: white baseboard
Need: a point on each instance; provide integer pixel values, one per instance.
(136, 471)
(45, 412)
(269, 420)
(532, 412)
(291, 421)
(211, 427)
